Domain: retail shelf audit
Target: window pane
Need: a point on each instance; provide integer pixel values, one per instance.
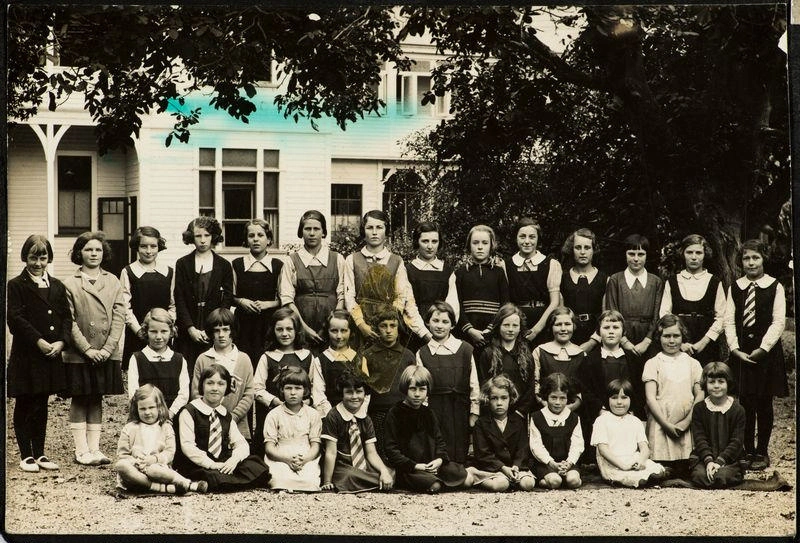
(271, 216)
(271, 158)
(207, 157)
(408, 106)
(423, 86)
(83, 209)
(235, 234)
(238, 202)
(66, 209)
(238, 178)
(74, 173)
(271, 189)
(239, 158)
(206, 189)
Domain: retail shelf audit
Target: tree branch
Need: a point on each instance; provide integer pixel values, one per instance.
(560, 68)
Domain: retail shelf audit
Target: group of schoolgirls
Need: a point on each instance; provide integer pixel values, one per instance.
(255, 412)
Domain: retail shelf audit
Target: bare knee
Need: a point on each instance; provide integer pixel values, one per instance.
(572, 479)
(551, 480)
(527, 482)
(496, 484)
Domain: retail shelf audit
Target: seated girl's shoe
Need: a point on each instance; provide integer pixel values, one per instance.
(86, 459)
(29, 465)
(100, 458)
(45, 463)
(760, 462)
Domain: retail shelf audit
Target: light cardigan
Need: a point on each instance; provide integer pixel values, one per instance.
(240, 398)
(131, 443)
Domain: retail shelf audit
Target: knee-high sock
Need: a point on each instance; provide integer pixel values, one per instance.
(78, 430)
(93, 436)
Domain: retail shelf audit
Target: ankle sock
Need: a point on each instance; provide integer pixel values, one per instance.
(78, 430)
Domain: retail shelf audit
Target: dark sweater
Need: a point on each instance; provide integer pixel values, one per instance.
(718, 437)
(412, 437)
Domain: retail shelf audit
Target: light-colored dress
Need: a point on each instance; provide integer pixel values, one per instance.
(293, 433)
(675, 377)
(622, 435)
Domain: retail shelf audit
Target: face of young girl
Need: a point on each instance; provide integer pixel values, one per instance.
(147, 410)
(480, 246)
(388, 331)
(148, 250)
(527, 239)
(202, 239)
(440, 325)
(498, 402)
(375, 233)
(694, 255)
(222, 337)
(582, 251)
(36, 264)
(92, 254)
(338, 334)
(257, 240)
(671, 339)
(717, 388)
(636, 259)
(753, 264)
(619, 404)
(353, 398)
(312, 233)
(158, 334)
(428, 245)
(610, 333)
(293, 395)
(509, 328)
(556, 401)
(563, 327)
(214, 389)
(416, 394)
(284, 333)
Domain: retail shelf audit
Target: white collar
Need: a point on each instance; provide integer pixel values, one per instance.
(719, 408)
(138, 269)
(435, 264)
(561, 417)
(307, 258)
(348, 416)
(554, 348)
(672, 359)
(292, 413)
(277, 355)
(590, 275)
(616, 353)
(233, 355)
(764, 282)
(44, 280)
(206, 409)
(536, 259)
(450, 344)
(686, 274)
(382, 255)
(346, 355)
(630, 278)
(250, 260)
(151, 355)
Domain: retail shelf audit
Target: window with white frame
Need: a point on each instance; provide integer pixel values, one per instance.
(346, 204)
(233, 184)
(410, 88)
(74, 179)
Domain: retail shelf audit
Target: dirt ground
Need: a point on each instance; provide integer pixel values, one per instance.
(83, 500)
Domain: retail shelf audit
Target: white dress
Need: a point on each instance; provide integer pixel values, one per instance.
(293, 433)
(675, 377)
(622, 435)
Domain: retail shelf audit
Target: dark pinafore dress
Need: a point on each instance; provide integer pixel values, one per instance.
(315, 291)
(449, 397)
(148, 291)
(586, 300)
(252, 329)
(697, 316)
(163, 375)
(528, 290)
(556, 440)
(331, 371)
(375, 290)
(429, 286)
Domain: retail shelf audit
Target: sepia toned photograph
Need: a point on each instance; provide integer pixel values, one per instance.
(412, 270)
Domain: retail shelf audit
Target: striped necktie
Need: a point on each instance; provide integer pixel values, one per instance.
(356, 448)
(214, 435)
(750, 306)
(528, 265)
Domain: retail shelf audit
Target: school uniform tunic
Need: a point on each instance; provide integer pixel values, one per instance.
(325, 372)
(432, 281)
(482, 289)
(35, 313)
(336, 433)
(143, 289)
(165, 371)
(455, 394)
(510, 367)
(584, 295)
(530, 283)
(554, 438)
(255, 280)
(552, 357)
(600, 368)
(240, 397)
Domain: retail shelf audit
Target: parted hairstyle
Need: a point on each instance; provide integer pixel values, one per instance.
(376, 214)
(350, 379)
(488, 230)
(316, 215)
(222, 316)
(338, 313)
(36, 245)
(521, 351)
(159, 314)
(209, 224)
(717, 370)
(423, 228)
(670, 320)
(294, 375)
(753, 245)
(567, 250)
(616, 386)
(697, 239)
(264, 226)
(561, 310)
(557, 382)
(82, 240)
(146, 231)
(522, 222)
(419, 375)
(215, 369)
(501, 382)
(441, 307)
(142, 393)
(280, 314)
(634, 242)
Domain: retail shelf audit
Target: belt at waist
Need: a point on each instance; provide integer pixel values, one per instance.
(583, 317)
(692, 315)
(638, 319)
(532, 303)
(316, 294)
